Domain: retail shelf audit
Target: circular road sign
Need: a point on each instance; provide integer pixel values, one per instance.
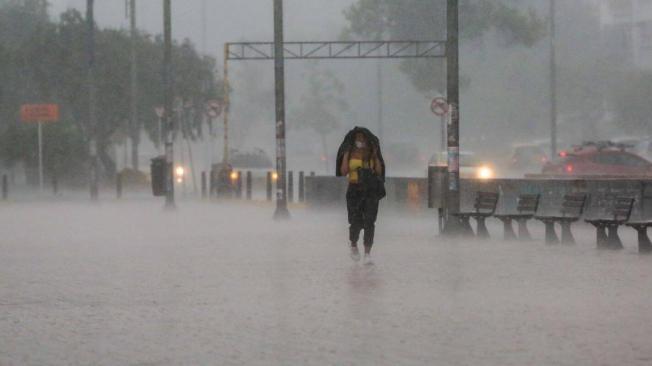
(439, 106)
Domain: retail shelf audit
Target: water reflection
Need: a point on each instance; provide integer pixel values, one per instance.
(365, 289)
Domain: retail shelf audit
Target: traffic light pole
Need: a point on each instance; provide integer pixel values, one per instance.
(167, 114)
(279, 67)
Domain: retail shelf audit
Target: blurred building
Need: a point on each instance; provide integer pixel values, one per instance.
(627, 29)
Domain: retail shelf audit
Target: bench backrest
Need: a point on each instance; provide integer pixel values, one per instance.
(622, 209)
(573, 205)
(528, 203)
(486, 202)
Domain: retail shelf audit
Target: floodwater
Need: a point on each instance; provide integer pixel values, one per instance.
(221, 284)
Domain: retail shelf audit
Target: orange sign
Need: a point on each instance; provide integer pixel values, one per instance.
(39, 112)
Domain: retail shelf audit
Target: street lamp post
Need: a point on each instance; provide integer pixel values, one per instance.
(167, 113)
(133, 106)
(553, 84)
(92, 93)
(279, 67)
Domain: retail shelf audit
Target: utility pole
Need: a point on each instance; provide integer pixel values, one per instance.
(134, 125)
(453, 94)
(167, 113)
(553, 85)
(203, 27)
(92, 93)
(226, 110)
(279, 68)
(379, 76)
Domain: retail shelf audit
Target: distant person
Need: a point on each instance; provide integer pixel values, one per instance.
(359, 158)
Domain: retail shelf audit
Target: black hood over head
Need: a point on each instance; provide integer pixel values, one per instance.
(349, 143)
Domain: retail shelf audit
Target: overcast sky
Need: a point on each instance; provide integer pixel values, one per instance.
(227, 20)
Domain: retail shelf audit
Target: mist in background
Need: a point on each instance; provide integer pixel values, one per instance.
(505, 97)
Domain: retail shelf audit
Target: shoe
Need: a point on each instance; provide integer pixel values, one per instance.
(355, 254)
(367, 261)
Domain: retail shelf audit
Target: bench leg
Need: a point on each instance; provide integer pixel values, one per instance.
(483, 233)
(467, 230)
(551, 235)
(613, 240)
(566, 233)
(601, 232)
(644, 244)
(508, 229)
(523, 232)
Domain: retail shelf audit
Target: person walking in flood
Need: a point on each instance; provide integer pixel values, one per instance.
(359, 158)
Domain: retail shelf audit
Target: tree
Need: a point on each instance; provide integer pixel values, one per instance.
(319, 107)
(426, 20)
(631, 102)
(46, 62)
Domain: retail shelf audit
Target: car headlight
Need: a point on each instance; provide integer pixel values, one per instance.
(179, 171)
(485, 172)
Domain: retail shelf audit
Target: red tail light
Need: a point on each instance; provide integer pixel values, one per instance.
(563, 154)
(569, 168)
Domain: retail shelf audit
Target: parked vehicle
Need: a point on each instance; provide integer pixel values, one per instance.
(250, 160)
(528, 157)
(599, 159)
(404, 159)
(470, 165)
(637, 145)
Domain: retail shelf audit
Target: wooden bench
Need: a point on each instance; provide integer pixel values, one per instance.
(607, 228)
(526, 207)
(571, 210)
(484, 206)
(644, 244)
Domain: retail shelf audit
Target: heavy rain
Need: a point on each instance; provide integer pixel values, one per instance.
(344, 182)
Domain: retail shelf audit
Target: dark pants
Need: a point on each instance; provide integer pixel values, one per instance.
(363, 211)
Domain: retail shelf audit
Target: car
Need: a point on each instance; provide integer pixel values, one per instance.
(471, 167)
(641, 146)
(404, 159)
(528, 157)
(603, 158)
(249, 160)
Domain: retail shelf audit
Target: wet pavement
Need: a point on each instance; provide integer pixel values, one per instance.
(220, 284)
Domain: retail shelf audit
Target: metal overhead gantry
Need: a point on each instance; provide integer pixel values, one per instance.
(337, 50)
(314, 50)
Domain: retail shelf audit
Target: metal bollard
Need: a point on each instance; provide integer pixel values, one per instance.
(211, 185)
(5, 187)
(302, 191)
(204, 191)
(55, 184)
(290, 186)
(249, 181)
(238, 183)
(269, 186)
(118, 185)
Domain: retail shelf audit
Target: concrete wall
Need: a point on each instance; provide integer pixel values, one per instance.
(412, 193)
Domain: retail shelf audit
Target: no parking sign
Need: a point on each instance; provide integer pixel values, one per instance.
(439, 106)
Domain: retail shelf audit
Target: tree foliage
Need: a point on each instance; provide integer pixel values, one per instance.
(45, 61)
(319, 106)
(631, 101)
(426, 20)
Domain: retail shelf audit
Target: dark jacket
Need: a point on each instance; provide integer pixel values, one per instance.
(349, 143)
